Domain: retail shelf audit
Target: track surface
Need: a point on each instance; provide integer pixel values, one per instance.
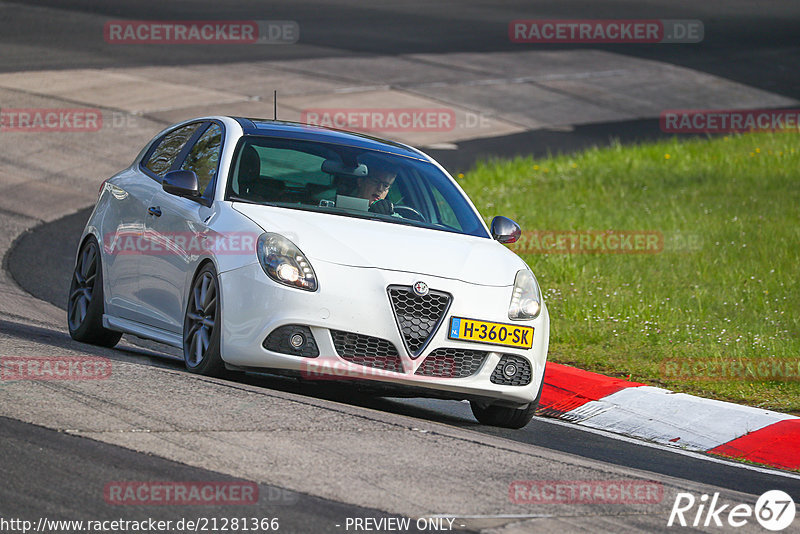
(52, 475)
(751, 42)
(755, 44)
(46, 281)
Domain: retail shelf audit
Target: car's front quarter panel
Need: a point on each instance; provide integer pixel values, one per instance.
(197, 234)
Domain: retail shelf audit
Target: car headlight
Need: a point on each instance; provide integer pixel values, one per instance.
(526, 299)
(284, 263)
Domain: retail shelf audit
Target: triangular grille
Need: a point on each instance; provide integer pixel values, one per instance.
(418, 317)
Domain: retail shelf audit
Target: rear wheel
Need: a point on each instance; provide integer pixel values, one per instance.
(201, 325)
(504, 416)
(86, 306)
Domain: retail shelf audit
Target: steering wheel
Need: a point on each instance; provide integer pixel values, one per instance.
(409, 213)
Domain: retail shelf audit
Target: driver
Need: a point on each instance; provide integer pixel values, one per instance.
(375, 186)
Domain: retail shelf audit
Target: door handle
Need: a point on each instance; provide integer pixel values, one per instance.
(154, 210)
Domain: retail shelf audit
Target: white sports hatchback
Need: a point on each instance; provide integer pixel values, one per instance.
(259, 245)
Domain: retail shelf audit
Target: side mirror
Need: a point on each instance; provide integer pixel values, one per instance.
(505, 230)
(181, 183)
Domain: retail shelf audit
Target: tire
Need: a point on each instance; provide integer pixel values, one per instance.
(86, 304)
(504, 416)
(201, 325)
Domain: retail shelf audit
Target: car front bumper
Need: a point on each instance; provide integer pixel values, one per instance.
(355, 300)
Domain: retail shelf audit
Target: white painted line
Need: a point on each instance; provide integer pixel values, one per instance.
(668, 448)
(532, 79)
(363, 88)
(493, 516)
(442, 146)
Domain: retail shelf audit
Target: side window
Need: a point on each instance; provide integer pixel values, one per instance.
(162, 158)
(203, 159)
(445, 211)
(292, 166)
(273, 174)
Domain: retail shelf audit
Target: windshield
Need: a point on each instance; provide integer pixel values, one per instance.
(349, 181)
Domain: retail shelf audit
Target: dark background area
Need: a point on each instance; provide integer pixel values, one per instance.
(753, 42)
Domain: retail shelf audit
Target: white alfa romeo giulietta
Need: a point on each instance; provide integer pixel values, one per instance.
(270, 246)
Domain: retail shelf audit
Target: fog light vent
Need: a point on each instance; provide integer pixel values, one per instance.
(292, 339)
(512, 370)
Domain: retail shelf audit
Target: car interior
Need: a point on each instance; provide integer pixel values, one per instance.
(319, 176)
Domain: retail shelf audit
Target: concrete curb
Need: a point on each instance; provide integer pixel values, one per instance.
(676, 419)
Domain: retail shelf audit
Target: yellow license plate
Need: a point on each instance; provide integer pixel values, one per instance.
(509, 335)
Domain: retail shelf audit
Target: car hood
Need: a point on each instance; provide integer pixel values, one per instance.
(375, 244)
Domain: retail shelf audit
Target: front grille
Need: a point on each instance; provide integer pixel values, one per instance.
(367, 350)
(521, 378)
(418, 317)
(452, 363)
(278, 341)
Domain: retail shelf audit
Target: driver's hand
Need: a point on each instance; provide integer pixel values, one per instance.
(382, 207)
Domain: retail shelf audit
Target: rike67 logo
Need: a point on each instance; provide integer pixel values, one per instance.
(774, 510)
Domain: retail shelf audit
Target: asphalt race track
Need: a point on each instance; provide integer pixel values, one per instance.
(62, 461)
(754, 44)
(321, 454)
(47, 280)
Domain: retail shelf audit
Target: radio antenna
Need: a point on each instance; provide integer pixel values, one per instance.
(275, 105)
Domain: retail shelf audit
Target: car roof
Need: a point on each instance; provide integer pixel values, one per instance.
(300, 131)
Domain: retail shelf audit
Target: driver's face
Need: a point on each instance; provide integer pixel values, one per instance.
(375, 187)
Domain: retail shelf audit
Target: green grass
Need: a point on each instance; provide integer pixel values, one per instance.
(724, 289)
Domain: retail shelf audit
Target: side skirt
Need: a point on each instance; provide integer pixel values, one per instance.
(138, 329)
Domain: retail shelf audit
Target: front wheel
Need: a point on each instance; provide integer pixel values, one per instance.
(85, 306)
(504, 416)
(201, 325)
